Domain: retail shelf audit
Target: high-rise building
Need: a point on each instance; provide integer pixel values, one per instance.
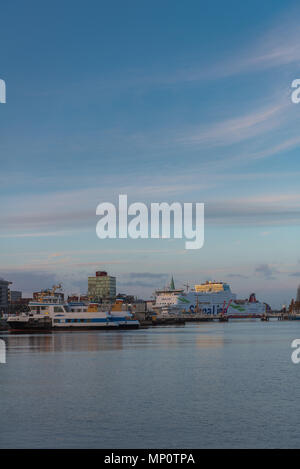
(102, 286)
(14, 295)
(4, 286)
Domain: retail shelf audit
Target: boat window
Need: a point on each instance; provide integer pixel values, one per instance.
(58, 309)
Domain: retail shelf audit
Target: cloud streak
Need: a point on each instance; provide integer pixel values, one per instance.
(279, 46)
(240, 128)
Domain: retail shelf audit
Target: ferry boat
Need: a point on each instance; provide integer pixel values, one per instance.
(210, 298)
(52, 313)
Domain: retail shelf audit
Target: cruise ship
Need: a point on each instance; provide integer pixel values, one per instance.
(52, 313)
(210, 298)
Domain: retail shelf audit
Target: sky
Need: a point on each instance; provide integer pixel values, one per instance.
(162, 101)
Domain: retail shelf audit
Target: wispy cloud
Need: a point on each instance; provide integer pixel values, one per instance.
(147, 275)
(266, 271)
(237, 129)
(28, 281)
(35, 234)
(64, 213)
(270, 210)
(242, 276)
(278, 46)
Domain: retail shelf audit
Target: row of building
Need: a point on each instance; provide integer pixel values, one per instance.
(101, 287)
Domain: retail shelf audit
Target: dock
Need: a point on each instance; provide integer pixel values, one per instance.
(173, 319)
(3, 325)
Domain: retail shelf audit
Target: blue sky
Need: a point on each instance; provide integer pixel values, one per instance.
(163, 101)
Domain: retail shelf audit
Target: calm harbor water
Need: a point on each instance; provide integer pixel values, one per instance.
(230, 385)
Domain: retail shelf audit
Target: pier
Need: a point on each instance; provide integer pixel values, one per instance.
(182, 318)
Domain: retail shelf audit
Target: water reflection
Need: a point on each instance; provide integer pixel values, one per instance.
(203, 385)
(210, 341)
(93, 341)
(62, 341)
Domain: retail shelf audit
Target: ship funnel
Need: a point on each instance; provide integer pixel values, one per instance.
(252, 298)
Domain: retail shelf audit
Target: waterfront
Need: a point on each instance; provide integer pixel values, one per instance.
(200, 385)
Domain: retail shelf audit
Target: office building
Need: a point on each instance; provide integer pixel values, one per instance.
(102, 286)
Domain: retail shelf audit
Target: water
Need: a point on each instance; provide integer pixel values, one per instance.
(226, 385)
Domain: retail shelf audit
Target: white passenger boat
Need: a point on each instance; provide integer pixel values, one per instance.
(51, 312)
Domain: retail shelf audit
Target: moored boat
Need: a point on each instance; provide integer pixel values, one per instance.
(50, 312)
(211, 298)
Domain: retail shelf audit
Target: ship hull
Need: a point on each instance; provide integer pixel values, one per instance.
(128, 326)
(19, 326)
(84, 328)
(29, 326)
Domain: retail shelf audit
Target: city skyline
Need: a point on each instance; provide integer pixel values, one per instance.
(197, 109)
